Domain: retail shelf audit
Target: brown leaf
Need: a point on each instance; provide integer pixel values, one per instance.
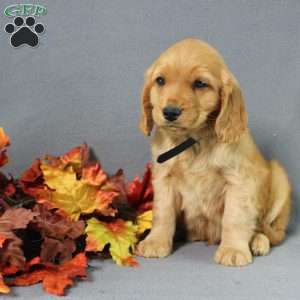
(12, 219)
(11, 253)
(59, 234)
(117, 183)
(54, 249)
(51, 224)
(16, 218)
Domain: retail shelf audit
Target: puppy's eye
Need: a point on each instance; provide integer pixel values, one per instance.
(160, 81)
(198, 84)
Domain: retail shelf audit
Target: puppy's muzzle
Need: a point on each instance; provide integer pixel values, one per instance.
(171, 113)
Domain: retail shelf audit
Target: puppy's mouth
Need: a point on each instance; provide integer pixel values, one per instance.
(173, 126)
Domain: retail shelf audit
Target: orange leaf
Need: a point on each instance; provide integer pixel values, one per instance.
(130, 262)
(92, 244)
(77, 156)
(10, 270)
(4, 139)
(94, 175)
(32, 174)
(3, 158)
(32, 183)
(2, 240)
(4, 142)
(55, 278)
(4, 289)
(13, 269)
(10, 190)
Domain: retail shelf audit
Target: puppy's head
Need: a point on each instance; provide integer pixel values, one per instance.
(189, 87)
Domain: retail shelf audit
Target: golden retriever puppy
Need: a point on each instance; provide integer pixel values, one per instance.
(221, 188)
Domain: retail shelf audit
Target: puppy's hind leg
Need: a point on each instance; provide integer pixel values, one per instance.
(277, 217)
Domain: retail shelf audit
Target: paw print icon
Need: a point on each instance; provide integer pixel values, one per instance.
(24, 32)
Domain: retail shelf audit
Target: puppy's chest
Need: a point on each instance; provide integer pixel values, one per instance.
(198, 184)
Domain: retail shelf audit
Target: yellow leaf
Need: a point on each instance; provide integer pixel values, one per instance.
(75, 196)
(144, 221)
(120, 235)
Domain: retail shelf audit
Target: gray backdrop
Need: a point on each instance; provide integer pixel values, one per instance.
(83, 84)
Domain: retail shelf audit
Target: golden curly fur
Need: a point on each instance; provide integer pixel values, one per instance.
(222, 188)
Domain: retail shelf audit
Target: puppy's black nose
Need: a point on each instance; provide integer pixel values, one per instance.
(171, 113)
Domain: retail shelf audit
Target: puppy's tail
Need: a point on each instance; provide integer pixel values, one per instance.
(278, 213)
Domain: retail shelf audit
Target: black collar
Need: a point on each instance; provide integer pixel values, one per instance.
(176, 150)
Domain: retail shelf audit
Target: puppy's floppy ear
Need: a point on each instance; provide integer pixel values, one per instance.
(146, 120)
(232, 120)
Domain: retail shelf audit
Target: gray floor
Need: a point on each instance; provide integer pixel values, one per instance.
(189, 273)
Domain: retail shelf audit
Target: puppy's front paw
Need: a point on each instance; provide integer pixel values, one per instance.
(151, 247)
(232, 257)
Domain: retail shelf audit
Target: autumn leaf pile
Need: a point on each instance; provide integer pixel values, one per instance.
(61, 211)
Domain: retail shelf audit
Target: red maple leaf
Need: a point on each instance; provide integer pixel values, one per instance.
(140, 192)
